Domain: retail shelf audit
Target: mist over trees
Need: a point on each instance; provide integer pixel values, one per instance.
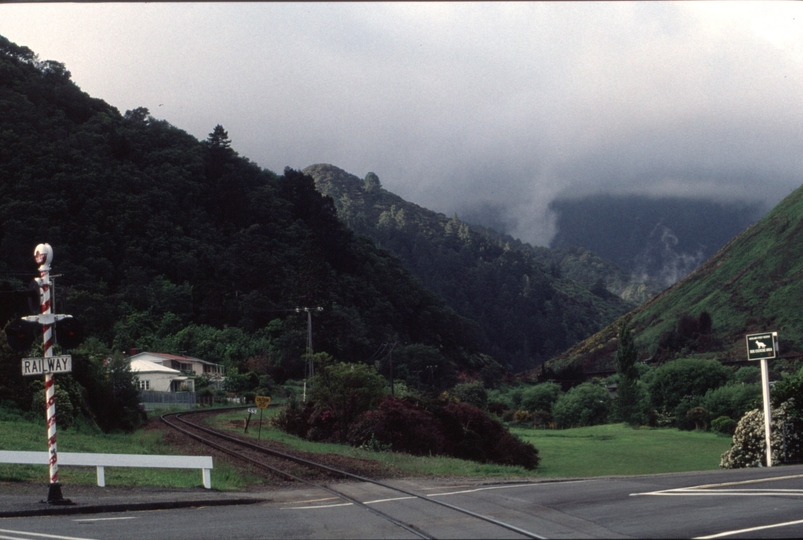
(662, 238)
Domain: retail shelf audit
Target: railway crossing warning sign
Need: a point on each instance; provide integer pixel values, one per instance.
(262, 402)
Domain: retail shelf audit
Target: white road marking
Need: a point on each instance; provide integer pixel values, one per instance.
(40, 535)
(475, 490)
(103, 519)
(318, 507)
(405, 498)
(714, 489)
(751, 529)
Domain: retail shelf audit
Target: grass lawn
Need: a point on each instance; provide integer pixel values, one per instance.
(594, 451)
(615, 449)
(23, 435)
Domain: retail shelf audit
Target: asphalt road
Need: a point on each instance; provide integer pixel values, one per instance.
(754, 503)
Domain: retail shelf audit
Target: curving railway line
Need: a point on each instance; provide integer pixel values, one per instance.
(291, 467)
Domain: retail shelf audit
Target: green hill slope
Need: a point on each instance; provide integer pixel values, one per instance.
(526, 308)
(752, 284)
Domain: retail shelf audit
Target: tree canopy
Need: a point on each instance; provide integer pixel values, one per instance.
(164, 241)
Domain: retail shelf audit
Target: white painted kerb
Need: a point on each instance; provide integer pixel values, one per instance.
(113, 460)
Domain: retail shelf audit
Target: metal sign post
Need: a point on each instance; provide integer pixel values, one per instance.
(43, 254)
(764, 347)
(248, 419)
(262, 402)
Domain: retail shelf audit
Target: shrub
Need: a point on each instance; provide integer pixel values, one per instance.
(671, 382)
(724, 424)
(294, 418)
(345, 391)
(471, 434)
(472, 393)
(789, 388)
(401, 426)
(732, 400)
(540, 397)
(456, 429)
(747, 375)
(65, 411)
(497, 408)
(699, 416)
(749, 444)
(542, 419)
(584, 405)
(521, 416)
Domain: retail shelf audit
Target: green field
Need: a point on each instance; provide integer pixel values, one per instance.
(22, 435)
(581, 452)
(616, 449)
(613, 449)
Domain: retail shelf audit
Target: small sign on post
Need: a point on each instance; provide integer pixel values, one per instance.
(764, 347)
(51, 364)
(262, 402)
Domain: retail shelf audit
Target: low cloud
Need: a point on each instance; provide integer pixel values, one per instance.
(484, 109)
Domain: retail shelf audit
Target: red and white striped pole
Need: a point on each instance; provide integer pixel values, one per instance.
(43, 254)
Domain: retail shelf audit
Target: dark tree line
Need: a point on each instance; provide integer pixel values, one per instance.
(158, 235)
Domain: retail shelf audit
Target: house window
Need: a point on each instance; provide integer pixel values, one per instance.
(144, 385)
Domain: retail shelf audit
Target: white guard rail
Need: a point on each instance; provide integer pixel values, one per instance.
(113, 460)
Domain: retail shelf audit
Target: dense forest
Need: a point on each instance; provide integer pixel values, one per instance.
(168, 243)
(526, 308)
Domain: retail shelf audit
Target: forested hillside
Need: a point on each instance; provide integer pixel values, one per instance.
(753, 284)
(167, 243)
(527, 309)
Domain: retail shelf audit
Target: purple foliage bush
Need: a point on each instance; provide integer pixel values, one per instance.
(404, 426)
(455, 429)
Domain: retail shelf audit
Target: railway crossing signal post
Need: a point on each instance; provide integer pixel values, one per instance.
(21, 335)
(43, 254)
(764, 347)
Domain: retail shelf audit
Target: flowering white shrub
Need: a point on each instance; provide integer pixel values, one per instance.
(749, 443)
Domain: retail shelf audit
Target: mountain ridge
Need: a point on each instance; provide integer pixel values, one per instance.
(752, 284)
(525, 308)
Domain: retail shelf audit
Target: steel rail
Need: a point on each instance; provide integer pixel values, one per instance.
(391, 519)
(353, 476)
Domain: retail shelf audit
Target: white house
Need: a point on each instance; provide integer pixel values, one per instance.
(159, 378)
(184, 364)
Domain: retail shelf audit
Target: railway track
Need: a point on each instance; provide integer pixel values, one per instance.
(286, 466)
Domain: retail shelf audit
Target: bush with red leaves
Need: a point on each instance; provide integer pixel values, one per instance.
(473, 435)
(456, 429)
(404, 426)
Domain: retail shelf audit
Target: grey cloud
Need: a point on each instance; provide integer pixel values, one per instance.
(463, 107)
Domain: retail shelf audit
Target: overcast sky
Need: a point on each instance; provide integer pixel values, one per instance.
(459, 106)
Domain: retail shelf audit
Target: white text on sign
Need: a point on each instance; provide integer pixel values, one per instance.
(52, 364)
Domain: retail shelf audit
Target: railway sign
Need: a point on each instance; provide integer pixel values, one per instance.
(262, 402)
(252, 410)
(50, 364)
(761, 346)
